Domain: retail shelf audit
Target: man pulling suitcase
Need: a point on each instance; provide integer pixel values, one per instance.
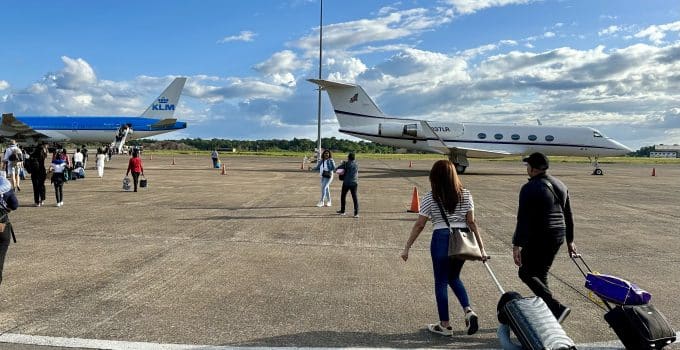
(544, 220)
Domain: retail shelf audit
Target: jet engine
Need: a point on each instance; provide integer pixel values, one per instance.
(398, 130)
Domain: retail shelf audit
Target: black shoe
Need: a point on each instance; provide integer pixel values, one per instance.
(564, 312)
(471, 322)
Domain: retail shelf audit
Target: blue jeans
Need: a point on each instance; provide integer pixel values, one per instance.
(325, 188)
(446, 273)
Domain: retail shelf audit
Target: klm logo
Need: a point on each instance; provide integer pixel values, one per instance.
(162, 105)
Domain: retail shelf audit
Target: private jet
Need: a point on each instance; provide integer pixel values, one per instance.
(359, 116)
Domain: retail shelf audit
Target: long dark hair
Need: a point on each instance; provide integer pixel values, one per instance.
(447, 189)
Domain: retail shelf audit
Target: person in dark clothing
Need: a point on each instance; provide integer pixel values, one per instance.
(8, 202)
(544, 220)
(350, 183)
(39, 174)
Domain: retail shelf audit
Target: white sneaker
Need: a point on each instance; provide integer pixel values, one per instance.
(471, 322)
(437, 328)
(328, 204)
(58, 204)
(320, 204)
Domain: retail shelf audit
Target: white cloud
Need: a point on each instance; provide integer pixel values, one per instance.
(245, 35)
(395, 25)
(467, 7)
(4, 85)
(549, 35)
(609, 30)
(656, 33)
(281, 66)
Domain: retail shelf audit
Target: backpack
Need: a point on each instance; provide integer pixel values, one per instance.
(16, 155)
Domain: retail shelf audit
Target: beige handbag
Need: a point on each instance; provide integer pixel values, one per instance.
(462, 242)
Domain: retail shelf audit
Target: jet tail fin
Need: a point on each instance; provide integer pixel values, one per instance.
(164, 106)
(349, 99)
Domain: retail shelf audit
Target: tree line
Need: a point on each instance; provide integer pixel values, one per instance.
(294, 145)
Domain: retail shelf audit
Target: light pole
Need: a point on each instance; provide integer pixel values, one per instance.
(318, 127)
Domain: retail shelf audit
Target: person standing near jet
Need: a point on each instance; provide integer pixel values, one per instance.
(326, 166)
(544, 221)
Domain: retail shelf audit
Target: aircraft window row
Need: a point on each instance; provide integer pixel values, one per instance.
(516, 137)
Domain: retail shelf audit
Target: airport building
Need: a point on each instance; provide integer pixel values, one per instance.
(665, 151)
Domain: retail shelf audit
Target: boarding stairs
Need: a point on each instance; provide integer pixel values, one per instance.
(120, 139)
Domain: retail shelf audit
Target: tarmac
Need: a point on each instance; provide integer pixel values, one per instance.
(200, 260)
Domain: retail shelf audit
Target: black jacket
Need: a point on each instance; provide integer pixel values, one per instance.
(543, 216)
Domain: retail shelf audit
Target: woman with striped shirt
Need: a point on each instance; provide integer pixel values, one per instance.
(457, 203)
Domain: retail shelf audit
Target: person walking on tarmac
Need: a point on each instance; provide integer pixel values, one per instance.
(135, 166)
(456, 201)
(544, 221)
(8, 202)
(350, 182)
(38, 174)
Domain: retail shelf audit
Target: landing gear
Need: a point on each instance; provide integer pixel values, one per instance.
(459, 160)
(597, 170)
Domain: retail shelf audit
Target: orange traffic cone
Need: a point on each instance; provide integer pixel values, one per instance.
(224, 169)
(173, 160)
(653, 171)
(410, 164)
(415, 202)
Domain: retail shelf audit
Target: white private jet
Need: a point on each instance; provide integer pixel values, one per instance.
(359, 116)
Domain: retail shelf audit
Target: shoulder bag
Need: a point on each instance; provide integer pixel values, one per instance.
(462, 245)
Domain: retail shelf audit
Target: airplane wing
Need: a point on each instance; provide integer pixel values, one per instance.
(13, 127)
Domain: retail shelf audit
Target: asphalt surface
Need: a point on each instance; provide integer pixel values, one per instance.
(247, 259)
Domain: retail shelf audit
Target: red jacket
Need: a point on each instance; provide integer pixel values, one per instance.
(135, 165)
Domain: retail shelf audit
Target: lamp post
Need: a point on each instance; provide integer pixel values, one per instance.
(318, 127)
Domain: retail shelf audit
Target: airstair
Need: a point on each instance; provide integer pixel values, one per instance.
(121, 137)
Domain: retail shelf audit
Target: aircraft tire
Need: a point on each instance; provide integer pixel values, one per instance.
(460, 168)
(598, 171)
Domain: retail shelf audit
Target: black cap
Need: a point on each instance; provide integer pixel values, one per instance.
(537, 161)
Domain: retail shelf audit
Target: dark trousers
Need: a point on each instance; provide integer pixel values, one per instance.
(135, 179)
(59, 191)
(38, 188)
(5, 236)
(536, 262)
(343, 196)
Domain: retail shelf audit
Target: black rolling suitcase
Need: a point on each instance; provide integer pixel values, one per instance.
(531, 320)
(639, 327)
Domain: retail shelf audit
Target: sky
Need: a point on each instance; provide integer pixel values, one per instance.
(609, 64)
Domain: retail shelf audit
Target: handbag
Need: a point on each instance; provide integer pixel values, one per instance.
(326, 174)
(462, 245)
(143, 183)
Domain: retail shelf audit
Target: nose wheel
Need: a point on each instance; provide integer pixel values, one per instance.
(597, 170)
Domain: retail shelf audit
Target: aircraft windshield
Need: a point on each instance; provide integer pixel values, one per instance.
(597, 134)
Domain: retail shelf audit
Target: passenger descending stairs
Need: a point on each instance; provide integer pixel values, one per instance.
(118, 144)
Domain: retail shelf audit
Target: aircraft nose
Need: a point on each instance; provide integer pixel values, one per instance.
(622, 147)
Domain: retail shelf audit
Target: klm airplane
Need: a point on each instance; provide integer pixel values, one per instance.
(157, 119)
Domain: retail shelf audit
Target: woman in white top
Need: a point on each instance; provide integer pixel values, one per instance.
(457, 203)
(101, 158)
(326, 166)
(57, 168)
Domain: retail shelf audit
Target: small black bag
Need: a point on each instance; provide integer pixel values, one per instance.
(143, 183)
(326, 174)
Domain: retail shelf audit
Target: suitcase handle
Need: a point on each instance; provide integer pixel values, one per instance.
(580, 257)
(493, 277)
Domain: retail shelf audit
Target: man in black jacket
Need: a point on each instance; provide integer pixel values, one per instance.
(544, 220)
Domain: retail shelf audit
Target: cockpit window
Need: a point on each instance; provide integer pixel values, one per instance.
(596, 134)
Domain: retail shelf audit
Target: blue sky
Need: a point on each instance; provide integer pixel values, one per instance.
(612, 65)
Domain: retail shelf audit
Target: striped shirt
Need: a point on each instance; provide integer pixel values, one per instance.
(429, 208)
